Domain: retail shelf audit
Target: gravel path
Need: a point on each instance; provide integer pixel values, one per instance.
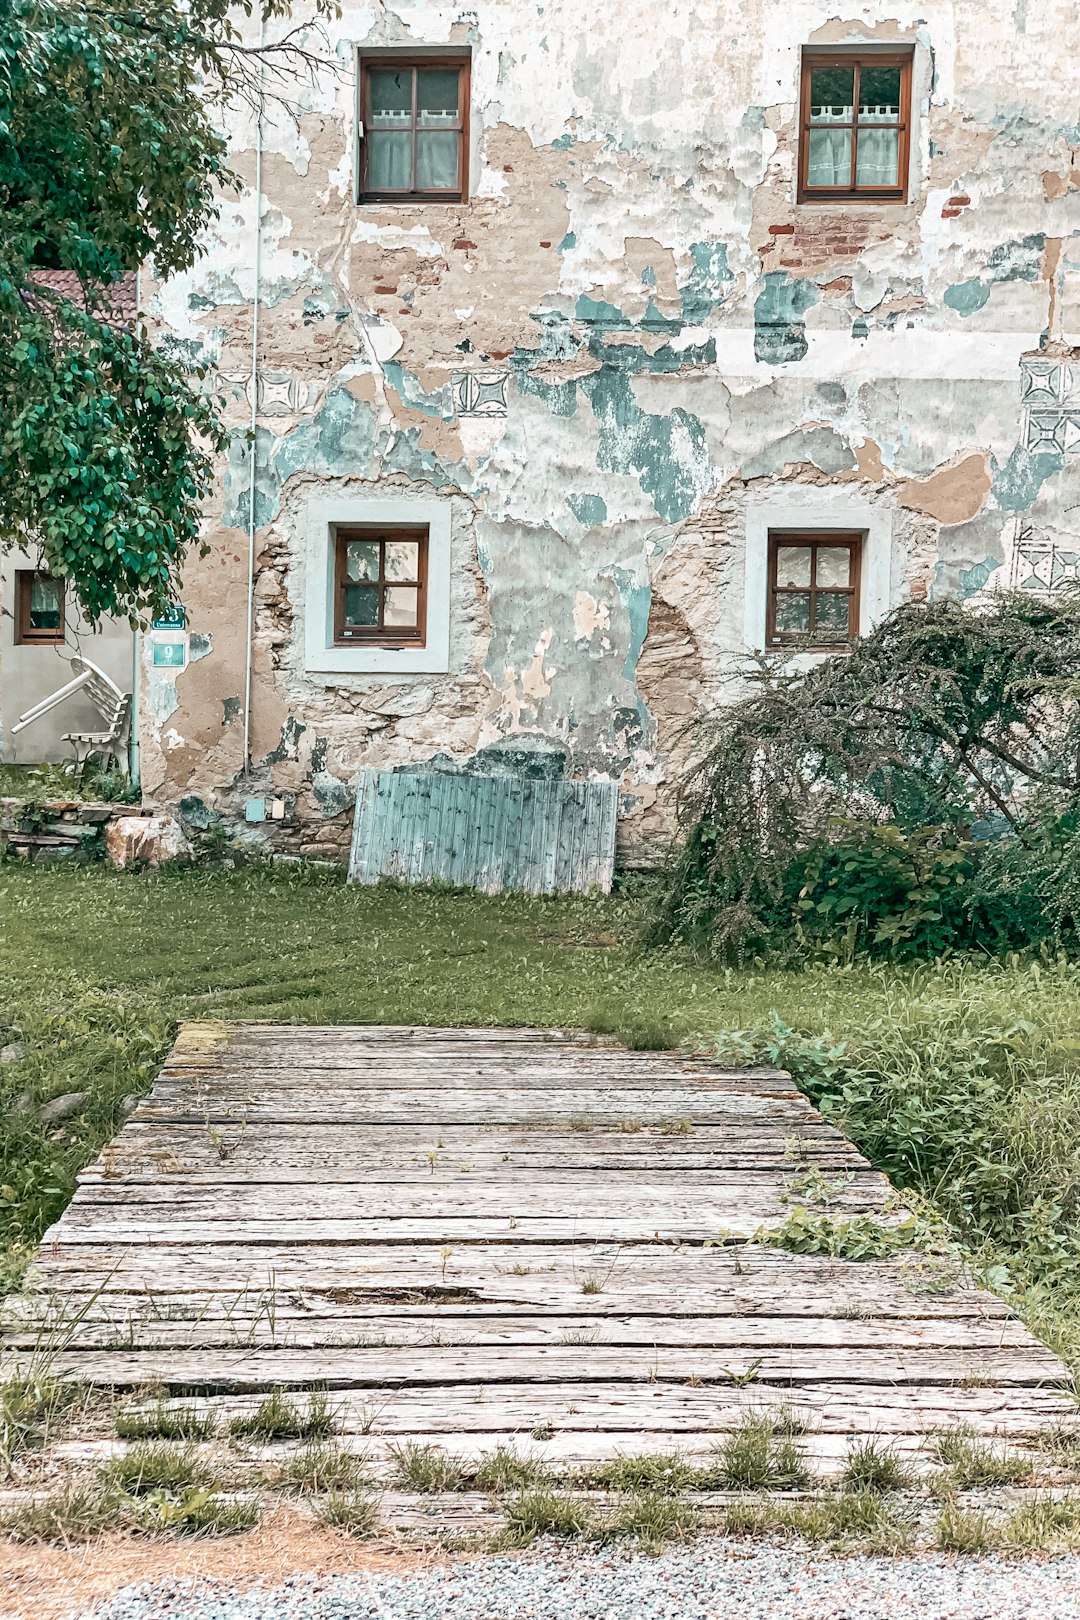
(708, 1581)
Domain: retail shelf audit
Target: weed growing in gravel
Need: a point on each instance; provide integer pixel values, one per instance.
(158, 1466)
(972, 1463)
(754, 1457)
(355, 1511)
(32, 1407)
(1044, 1526)
(279, 1418)
(960, 1530)
(1060, 1443)
(874, 1465)
(650, 1520)
(426, 1468)
(319, 1467)
(545, 1513)
(664, 1474)
(196, 1513)
(849, 1519)
(78, 1512)
(163, 1422)
(505, 1470)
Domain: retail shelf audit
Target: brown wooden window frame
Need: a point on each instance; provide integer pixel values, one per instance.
(414, 60)
(817, 540)
(857, 61)
(380, 635)
(25, 633)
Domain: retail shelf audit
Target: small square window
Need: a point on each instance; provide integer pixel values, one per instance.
(855, 127)
(380, 587)
(813, 590)
(39, 608)
(414, 121)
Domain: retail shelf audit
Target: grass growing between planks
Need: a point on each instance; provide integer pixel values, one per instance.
(962, 1081)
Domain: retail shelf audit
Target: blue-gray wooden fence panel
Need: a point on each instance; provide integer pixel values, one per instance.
(484, 832)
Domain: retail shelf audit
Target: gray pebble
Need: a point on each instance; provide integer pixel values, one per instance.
(14, 1052)
(707, 1580)
(60, 1108)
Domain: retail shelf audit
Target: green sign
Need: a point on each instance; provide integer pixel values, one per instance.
(169, 655)
(175, 619)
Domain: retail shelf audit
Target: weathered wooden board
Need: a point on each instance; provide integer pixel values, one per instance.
(472, 1234)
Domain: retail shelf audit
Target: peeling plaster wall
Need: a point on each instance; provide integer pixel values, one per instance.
(607, 360)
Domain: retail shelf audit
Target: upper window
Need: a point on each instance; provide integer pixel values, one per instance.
(856, 118)
(380, 587)
(414, 129)
(39, 608)
(813, 589)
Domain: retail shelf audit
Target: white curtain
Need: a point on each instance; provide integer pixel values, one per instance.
(829, 162)
(878, 157)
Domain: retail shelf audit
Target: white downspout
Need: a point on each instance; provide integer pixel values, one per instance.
(136, 639)
(252, 451)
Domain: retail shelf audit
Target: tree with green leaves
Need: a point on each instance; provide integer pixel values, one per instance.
(111, 154)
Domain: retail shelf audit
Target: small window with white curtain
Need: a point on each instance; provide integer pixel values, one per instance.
(855, 127)
(414, 125)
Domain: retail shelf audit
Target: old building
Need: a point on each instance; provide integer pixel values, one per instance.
(585, 352)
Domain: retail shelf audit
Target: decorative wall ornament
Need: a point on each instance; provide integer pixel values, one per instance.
(480, 393)
(1050, 392)
(1042, 562)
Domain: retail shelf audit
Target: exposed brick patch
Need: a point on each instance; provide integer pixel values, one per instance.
(463, 242)
(782, 230)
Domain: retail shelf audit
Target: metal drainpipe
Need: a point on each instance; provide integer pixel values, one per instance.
(136, 639)
(252, 452)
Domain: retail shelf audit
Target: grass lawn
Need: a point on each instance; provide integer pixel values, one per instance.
(961, 1080)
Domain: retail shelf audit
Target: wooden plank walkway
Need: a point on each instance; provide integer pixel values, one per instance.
(475, 1235)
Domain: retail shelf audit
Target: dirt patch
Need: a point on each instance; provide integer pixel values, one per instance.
(58, 1583)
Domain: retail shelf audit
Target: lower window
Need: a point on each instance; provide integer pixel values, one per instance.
(813, 589)
(39, 608)
(380, 587)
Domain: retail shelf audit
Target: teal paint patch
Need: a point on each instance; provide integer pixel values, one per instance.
(411, 393)
(779, 327)
(654, 321)
(636, 593)
(974, 578)
(822, 447)
(236, 506)
(569, 241)
(339, 439)
(967, 296)
(406, 455)
(591, 510)
(598, 312)
(1019, 260)
(709, 280)
(562, 143)
(648, 276)
(668, 455)
(1017, 484)
(199, 647)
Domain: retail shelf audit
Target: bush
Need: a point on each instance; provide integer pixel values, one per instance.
(856, 799)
